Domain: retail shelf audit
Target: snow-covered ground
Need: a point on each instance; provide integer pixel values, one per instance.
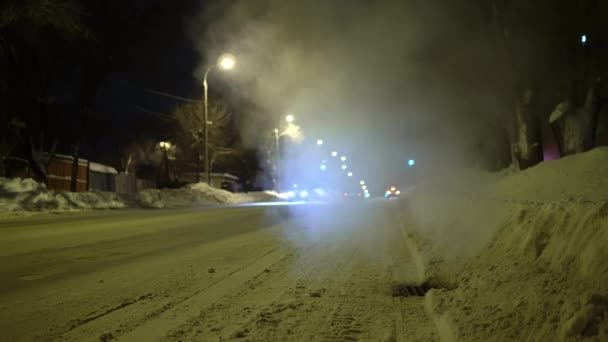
(282, 273)
(520, 256)
(21, 196)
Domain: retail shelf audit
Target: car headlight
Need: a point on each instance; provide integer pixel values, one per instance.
(303, 193)
(291, 194)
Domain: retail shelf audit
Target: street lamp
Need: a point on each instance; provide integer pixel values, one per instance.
(334, 154)
(343, 167)
(319, 142)
(289, 118)
(362, 182)
(343, 158)
(350, 174)
(225, 62)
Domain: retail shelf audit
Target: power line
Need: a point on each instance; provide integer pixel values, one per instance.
(157, 114)
(171, 96)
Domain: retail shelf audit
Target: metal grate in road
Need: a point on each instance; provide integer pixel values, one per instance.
(408, 290)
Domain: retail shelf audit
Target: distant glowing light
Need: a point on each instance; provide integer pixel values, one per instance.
(343, 158)
(393, 188)
(411, 162)
(366, 191)
(295, 186)
(366, 195)
(362, 182)
(584, 39)
(334, 154)
(304, 194)
(291, 194)
(323, 167)
(397, 192)
(319, 142)
(289, 118)
(343, 167)
(350, 174)
(364, 187)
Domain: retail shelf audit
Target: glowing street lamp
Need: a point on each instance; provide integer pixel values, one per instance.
(164, 145)
(350, 174)
(334, 154)
(362, 182)
(343, 158)
(343, 167)
(226, 61)
(319, 142)
(289, 118)
(364, 187)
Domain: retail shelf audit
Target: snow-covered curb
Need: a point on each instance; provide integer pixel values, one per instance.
(23, 196)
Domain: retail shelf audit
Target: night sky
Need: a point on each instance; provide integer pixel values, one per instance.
(381, 81)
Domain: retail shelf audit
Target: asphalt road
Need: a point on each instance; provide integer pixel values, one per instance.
(188, 274)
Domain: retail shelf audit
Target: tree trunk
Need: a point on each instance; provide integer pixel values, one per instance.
(528, 147)
(575, 127)
(39, 160)
(75, 155)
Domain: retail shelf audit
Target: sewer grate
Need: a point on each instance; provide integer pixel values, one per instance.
(408, 290)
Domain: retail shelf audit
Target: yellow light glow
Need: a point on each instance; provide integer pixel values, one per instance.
(227, 61)
(289, 118)
(393, 188)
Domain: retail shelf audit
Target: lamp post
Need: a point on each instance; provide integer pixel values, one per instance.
(225, 62)
(289, 118)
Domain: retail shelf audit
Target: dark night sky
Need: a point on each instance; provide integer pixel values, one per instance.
(380, 80)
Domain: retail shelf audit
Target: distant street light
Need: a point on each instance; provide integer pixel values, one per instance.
(411, 162)
(323, 167)
(343, 158)
(584, 39)
(225, 62)
(362, 182)
(165, 145)
(343, 167)
(350, 174)
(364, 187)
(366, 191)
(319, 142)
(289, 118)
(334, 154)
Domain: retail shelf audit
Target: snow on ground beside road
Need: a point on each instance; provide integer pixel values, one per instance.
(20, 196)
(522, 256)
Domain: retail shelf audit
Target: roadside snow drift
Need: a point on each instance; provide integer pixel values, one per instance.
(26, 195)
(518, 257)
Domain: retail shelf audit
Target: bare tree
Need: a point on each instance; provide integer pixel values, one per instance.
(190, 136)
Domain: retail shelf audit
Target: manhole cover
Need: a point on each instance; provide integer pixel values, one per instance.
(408, 290)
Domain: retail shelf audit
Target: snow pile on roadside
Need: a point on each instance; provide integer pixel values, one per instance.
(192, 194)
(24, 195)
(27, 195)
(523, 256)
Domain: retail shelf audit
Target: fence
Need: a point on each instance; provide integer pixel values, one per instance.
(128, 184)
(59, 177)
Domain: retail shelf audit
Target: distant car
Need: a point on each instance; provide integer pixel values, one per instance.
(392, 193)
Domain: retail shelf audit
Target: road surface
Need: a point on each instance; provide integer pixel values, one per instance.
(272, 273)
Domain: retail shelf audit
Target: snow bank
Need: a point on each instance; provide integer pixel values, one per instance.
(26, 195)
(519, 256)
